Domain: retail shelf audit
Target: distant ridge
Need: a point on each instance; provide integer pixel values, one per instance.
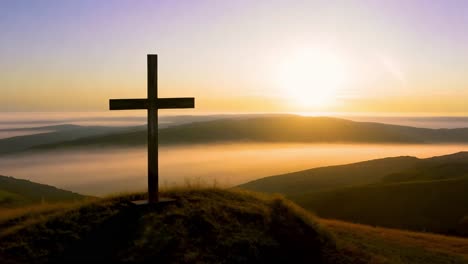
(294, 129)
(264, 129)
(59, 133)
(39, 128)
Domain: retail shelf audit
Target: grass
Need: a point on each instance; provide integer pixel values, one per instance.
(10, 198)
(12, 219)
(208, 225)
(397, 246)
(203, 226)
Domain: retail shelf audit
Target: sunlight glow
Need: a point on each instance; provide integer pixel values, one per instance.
(312, 78)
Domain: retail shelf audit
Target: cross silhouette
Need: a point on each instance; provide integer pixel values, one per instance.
(152, 104)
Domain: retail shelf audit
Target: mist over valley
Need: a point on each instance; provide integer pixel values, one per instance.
(99, 160)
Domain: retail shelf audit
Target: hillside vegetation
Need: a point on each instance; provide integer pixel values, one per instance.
(208, 226)
(409, 193)
(16, 192)
(435, 206)
(395, 246)
(201, 226)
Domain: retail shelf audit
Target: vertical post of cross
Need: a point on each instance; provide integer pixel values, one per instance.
(153, 173)
(152, 104)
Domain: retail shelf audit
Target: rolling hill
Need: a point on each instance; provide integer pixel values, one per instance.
(408, 193)
(54, 134)
(266, 129)
(324, 178)
(434, 206)
(16, 193)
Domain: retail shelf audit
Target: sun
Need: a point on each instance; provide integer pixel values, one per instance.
(312, 79)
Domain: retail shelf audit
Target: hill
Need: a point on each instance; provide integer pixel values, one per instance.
(54, 134)
(68, 135)
(434, 206)
(16, 192)
(324, 178)
(267, 129)
(201, 226)
(409, 193)
(209, 226)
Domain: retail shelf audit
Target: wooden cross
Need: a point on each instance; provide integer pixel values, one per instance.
(152, 103)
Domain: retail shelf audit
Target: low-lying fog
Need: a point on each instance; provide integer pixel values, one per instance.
(101, 172)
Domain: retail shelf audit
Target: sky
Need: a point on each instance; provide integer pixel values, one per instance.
(382, 57)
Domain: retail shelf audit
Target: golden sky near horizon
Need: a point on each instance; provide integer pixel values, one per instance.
(237, 56)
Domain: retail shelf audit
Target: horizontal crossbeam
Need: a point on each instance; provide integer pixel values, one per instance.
(160, 103)
(128, 104)
(181, 102)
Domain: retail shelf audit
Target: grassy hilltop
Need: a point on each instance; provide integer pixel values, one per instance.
(209, 226)
(202, 226)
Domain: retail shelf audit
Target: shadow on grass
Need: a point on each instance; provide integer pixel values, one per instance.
(114, 235)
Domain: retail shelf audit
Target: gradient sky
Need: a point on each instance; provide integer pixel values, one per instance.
(399, 57)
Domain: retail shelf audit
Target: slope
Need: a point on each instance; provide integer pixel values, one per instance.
(434, 206)
(323, 178)
(396, 169)
(16, 192)
(386, 245)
